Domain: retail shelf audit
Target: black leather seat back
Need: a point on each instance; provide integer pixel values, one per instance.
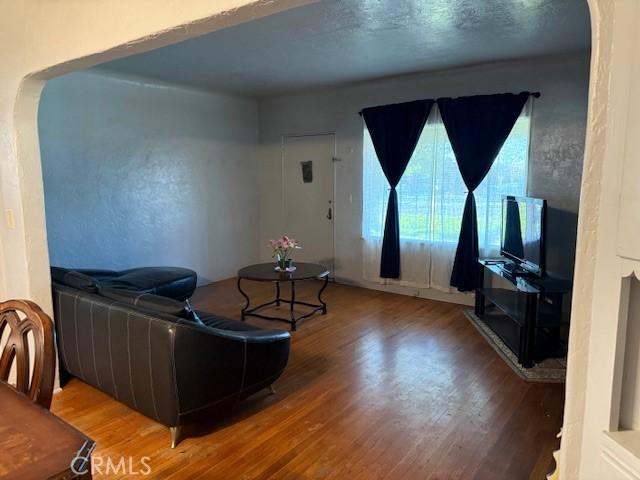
(125, 353)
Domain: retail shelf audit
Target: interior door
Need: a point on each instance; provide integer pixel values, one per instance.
(308, 180)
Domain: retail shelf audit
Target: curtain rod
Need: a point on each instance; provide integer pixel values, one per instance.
(533, 94)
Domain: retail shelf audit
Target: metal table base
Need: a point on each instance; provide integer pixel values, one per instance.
(292, 319)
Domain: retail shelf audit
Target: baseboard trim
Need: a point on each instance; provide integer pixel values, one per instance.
(459, 298)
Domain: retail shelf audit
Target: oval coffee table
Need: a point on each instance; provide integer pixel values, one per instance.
(265, 272)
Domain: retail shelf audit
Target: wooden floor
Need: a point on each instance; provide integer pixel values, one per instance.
(383, 387)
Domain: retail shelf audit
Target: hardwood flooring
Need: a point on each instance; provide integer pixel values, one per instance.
(382, 387)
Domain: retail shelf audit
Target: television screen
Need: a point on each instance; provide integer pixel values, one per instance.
(523, 231)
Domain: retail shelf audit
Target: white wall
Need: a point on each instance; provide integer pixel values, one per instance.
(557, 144)
(140, 173)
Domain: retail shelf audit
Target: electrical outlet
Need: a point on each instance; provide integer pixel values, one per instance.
(10, 218)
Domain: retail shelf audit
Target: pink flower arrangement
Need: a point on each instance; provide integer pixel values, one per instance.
(283, 246)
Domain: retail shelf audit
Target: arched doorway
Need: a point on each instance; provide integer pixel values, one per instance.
(25, 257)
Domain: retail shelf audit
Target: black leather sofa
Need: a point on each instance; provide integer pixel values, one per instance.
(172, 282)
(153, 353)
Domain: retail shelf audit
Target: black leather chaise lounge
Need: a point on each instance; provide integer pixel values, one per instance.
(152, 352)
(172, 282)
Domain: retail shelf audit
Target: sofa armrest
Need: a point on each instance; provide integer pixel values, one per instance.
(216, 366)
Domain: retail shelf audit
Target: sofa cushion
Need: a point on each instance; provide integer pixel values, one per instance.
(150, 302)
(74, 279)
(222, 323)
(98, 273)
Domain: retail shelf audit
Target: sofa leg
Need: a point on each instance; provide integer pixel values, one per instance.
(272, 390)
(175, 435)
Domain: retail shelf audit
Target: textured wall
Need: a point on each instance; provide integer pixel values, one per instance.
(137, 173)
(557, 142)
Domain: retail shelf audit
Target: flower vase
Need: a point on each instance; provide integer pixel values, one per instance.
(284, 263)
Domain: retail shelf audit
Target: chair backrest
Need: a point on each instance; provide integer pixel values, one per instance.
(22, 317)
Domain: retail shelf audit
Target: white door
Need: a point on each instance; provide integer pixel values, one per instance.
(308, 182)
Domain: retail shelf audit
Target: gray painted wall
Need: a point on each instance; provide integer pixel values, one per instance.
(557, 141)
(139, 173)
(142, 173)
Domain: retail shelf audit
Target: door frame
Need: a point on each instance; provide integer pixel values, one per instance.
(283, 139)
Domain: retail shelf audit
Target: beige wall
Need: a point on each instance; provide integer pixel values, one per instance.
(43, 39)
(596, 297)
(610, 254)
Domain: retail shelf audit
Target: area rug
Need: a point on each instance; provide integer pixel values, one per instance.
(551, 370)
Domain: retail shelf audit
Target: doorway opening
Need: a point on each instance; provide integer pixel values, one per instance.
(355, 266)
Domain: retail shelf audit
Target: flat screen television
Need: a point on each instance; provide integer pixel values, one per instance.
(523, 232)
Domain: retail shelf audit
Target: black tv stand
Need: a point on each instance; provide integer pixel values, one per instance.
(530, 316)
(512, 268)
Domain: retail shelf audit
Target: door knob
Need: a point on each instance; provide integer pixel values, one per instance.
(329, 215)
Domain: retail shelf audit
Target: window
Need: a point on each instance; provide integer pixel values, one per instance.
(431, 193)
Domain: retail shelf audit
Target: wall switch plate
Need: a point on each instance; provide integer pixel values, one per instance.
(10, 219)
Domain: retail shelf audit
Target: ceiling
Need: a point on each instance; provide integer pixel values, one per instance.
(338, 42)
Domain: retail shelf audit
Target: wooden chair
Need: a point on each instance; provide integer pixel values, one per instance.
(22, 317)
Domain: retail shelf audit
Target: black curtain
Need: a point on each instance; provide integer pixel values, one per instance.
(477, 128)
(395, 130)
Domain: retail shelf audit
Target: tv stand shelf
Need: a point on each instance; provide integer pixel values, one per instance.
(531, 314)
(515, 308)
